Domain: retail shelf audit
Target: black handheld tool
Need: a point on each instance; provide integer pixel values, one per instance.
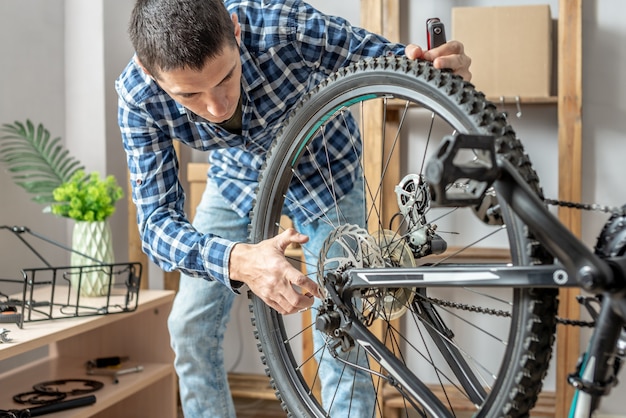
(435, 32)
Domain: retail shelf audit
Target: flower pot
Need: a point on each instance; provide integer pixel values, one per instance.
(93, 239)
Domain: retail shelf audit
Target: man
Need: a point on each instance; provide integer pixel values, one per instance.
(222, 76)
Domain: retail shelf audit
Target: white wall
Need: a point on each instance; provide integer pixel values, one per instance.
(32, 87)
(604, 127)
(59, 60)
(60, 57)
(96, 51)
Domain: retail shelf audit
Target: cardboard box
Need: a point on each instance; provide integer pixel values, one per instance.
(510, 47)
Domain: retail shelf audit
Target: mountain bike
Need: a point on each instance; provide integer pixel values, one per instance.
(451, 283)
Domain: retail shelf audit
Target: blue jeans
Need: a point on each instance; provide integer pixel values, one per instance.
(202, 308)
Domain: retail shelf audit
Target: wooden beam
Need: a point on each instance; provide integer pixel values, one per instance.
(382, 17)
(391, 20)
(135, 253)
(570, 179)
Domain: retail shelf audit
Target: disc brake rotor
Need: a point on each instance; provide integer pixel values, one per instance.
(350, 246)
(347, 247)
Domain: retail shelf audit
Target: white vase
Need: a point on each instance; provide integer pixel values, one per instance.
(92, 239)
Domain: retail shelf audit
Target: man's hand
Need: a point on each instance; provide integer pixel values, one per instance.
(449, 55)
(270, 276)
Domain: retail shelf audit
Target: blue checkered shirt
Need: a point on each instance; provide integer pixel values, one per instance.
(287, 48)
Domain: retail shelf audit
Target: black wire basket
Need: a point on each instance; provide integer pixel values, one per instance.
(54, 292)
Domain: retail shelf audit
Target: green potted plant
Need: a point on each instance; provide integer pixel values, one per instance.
(86, 197)
(44, 168)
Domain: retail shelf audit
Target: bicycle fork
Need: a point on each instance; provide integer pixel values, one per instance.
(340, 321)
(597, 369)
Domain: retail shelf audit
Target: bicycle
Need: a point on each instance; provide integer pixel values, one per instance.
(458, 328)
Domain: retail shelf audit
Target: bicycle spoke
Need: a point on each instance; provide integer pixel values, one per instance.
(462, 345)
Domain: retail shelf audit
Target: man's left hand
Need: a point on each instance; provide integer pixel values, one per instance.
(450, 55)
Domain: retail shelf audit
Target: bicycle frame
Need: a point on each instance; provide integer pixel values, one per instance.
(577, 267)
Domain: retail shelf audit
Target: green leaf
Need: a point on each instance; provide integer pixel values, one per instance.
(68, 168)
(29, 154)
(36, 187)
(33, 176)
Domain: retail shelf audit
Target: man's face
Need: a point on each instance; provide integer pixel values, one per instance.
(213, 92)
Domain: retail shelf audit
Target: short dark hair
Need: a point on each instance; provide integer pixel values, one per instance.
(173, 34)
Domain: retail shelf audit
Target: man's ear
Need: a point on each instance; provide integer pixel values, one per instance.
(142, 67)
(237, 26)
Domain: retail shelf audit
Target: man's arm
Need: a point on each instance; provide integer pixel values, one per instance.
(167, 236)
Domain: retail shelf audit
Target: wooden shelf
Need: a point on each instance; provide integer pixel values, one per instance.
(399, 104)
(111, 394)
(551, 100)
(141, 335)
(472, 255)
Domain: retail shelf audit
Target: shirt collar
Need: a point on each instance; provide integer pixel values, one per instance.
(192, 116)
(251, 75)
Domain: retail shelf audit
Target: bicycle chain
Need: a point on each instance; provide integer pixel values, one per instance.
(587, 206)
(501, 313)
(506, 314)
(465, 307)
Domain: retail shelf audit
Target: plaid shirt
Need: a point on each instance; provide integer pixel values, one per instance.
(287, 48)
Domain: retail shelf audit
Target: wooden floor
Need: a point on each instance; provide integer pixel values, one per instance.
(251, 408)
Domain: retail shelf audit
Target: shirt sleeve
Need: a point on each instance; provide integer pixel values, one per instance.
(332, 42)
(167, 236)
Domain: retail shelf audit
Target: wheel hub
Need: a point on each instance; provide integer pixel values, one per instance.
(350, 246)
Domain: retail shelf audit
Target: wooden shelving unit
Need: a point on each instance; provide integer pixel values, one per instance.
(141, 335)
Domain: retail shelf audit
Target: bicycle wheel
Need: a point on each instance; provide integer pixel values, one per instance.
(476, 349)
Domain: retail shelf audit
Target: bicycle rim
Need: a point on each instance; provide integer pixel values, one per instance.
(506, 355)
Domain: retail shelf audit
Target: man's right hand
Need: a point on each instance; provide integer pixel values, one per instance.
(270, 276)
